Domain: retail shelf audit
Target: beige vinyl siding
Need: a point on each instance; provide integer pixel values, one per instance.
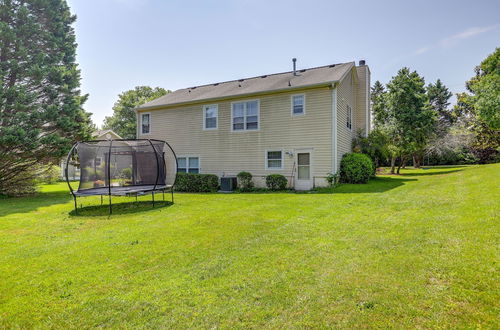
(362, 98)
(223, 152)
(345, 96)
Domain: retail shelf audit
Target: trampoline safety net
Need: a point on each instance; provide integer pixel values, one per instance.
(122, 167)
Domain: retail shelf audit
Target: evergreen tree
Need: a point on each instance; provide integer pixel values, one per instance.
(41, 111)
(439, 97)
(379, 107)
(123, 120)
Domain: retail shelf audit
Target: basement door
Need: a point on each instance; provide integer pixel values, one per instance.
(303, 175)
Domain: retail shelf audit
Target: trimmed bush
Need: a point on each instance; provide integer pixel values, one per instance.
(191, 182)
(245, 181)
(355, 168)
(276, 182)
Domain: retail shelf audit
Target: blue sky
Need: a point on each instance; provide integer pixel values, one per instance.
(179, 43)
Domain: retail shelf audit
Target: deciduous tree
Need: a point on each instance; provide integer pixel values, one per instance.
(123, 120)
(485, 89)
(410, 115)
(479, 109)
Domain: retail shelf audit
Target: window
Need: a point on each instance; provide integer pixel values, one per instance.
(145, 123)
(245, 116)
(210, 114)
(274, 160)
(188, 164)
(298, 104)
(349, 117)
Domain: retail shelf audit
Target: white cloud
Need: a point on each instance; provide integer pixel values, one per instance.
(421, 50)
(131, 3)
(456, 38)
(471, 32)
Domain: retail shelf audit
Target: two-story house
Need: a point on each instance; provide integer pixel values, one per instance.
(296, 123)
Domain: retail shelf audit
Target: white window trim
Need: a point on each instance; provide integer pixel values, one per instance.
(349, 115)
(282, 160)
(304, 106)
(187, 162)
(245, 117)
(205, 117)
(150, 121)
(310, 151)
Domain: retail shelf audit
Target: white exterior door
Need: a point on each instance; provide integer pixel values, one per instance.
(303, 174)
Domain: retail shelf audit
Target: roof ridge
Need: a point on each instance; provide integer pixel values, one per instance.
(261, 76)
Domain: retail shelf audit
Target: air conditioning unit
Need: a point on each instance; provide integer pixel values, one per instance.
(228, 183)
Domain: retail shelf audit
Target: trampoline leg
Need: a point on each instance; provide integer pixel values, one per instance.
(110, 207)
(76, 206)
(172, 192)
(163, 192)
(153, 196)
(101, 199)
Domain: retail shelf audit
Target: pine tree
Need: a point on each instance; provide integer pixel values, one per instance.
(41, 111)
(439, 97)
(379, 106)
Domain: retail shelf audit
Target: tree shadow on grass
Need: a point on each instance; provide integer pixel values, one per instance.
(376, 185)
(119, 208)
(27, 204)
(431, 173)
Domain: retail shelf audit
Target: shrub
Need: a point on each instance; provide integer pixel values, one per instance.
(245, 181)
(332, 179)
(375, 145)
(276, 182)
(191, 182)
(355, 168)
(126, 173)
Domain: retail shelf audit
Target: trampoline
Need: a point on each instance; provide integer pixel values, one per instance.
(122, 168)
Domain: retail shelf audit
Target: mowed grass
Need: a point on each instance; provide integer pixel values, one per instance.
(416, 250)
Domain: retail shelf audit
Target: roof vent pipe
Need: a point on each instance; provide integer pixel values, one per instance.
(294, 60)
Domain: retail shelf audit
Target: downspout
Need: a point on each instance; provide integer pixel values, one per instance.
(334, 129)
(367, 94)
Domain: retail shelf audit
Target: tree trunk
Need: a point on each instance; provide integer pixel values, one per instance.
(416, 160)
(393, 164)
(401, 163)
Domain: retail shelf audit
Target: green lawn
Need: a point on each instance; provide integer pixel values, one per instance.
(416, 250)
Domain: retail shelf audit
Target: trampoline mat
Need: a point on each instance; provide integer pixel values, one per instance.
(120, 191)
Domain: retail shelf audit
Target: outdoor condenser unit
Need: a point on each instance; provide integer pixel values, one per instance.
(228, 183)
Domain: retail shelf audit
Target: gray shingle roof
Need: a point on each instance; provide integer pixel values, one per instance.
(255, 85)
